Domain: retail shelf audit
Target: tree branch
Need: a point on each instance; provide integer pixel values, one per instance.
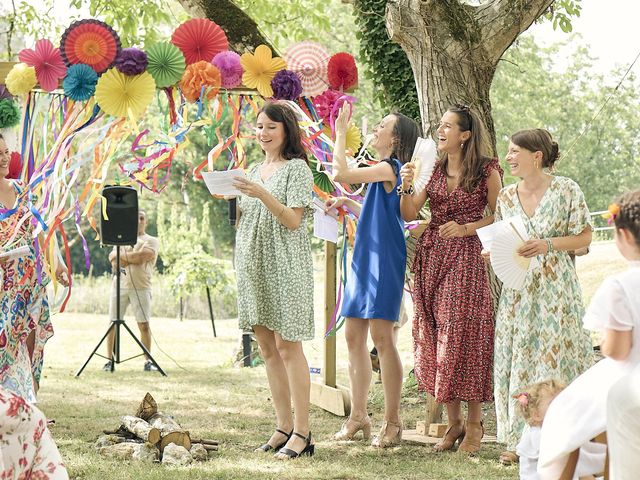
(501, 21)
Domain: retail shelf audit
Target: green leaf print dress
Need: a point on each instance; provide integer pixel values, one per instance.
(273, 264)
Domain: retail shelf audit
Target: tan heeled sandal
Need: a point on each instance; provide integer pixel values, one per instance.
(351, 427)
(473, 437)
(384, 439)
(450, 438)
(509, 458)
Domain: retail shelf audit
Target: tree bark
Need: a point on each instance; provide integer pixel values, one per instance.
(454, 49)
(242, 31)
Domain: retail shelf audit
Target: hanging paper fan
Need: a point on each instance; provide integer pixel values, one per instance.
(342, 71)
(425, 156)
(197, 76)
(309, 60)
(80, 82)
(4, 93)
(124, 95)
(353, 140)
(91, 42)
(321, 179)
(260, 68)
(510, 267)
(47, 61)
(199, 39)
(20, 79)
(230, 68)
(165, 64)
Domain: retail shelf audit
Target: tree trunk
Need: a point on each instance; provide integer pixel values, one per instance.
(242, 31)
(454, 49)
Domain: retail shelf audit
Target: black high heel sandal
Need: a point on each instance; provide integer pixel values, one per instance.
(266, 447)
(309, 448)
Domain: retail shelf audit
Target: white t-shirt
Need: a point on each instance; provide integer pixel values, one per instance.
(138, 275)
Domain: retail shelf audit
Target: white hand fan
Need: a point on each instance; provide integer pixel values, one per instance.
(510, 267)
(425, 155)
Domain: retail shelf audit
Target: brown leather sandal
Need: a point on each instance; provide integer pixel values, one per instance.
(450, 437)
(473, 437)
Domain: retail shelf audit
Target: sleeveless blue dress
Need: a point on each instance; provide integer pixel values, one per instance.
(376, 278)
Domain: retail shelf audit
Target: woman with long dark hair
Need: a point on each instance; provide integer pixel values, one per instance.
(374, 284)
(275, 272)
(453, 324)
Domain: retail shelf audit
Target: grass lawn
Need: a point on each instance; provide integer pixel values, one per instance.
(213, 399)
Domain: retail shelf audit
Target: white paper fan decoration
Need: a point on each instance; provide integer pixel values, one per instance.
(425, 156)
(510, 267)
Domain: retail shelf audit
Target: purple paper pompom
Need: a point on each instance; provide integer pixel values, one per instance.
(230, 69)
(131, 61)
(286, 85)
(5, 93)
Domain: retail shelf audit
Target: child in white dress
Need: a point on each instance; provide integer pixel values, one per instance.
(579, 413)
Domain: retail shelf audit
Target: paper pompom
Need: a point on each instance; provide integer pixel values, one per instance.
(230, 68)
(20, 79)
(198, 75)
(9, 113)
(286, 85)
(15, 165)
(131, 61)
(324, 104)
(80, 82)
(342, 71)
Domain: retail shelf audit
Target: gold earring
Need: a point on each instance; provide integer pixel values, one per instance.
(535, 165)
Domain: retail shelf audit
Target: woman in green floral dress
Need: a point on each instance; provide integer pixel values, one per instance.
(539, 332)
(275, 272)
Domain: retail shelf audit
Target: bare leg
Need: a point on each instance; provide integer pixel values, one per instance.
(455, 429)
(278, 382)
(145, 335)
(356, 331)
(297, 370)
(384, 338)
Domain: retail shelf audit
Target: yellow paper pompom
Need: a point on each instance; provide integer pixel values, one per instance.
(21, 79)
(353, 140)
(123, 95)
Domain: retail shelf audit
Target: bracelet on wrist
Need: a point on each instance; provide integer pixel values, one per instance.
(549, 245)
(402, 192)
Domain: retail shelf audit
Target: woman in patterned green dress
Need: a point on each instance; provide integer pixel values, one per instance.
(275, 272)
(539, 332)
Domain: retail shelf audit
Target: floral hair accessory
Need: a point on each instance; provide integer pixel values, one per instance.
(612, 213)
(523, 398)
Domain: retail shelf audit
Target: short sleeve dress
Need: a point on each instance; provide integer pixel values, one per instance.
(274, 267)
(539, 332)
(23, 307)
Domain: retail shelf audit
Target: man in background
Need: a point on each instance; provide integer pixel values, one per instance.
(137, 264)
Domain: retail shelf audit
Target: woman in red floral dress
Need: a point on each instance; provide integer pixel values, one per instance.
(453, 324)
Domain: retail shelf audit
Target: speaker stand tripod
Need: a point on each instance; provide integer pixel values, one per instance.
(115, 326)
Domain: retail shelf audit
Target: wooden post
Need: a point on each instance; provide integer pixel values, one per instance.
(328, 395)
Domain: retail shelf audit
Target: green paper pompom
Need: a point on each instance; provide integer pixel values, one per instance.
(9, 113)
(166, 64)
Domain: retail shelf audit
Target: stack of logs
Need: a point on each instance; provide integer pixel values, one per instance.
(156, 430)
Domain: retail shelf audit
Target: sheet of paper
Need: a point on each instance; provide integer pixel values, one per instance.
(325, 226)
(15, 253)
(221, 182)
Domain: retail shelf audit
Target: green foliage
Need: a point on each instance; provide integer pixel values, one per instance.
(197, 270)
(387, 64)
(531, 90)
(561, 12)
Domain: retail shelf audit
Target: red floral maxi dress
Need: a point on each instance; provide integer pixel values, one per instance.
(23, 306)
(453, 323)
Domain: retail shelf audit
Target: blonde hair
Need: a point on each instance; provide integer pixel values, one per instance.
(529, 398)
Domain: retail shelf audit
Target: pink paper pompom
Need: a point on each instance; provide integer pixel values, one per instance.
(324, 104)
(230, 68)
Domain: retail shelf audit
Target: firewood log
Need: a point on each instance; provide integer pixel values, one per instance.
(141, 429)
(204, 441)
(147, 408)
(180, 438)
(170, 431)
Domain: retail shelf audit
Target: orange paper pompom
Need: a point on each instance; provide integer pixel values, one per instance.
(198, 75)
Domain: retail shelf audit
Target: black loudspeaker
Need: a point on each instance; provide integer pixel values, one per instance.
(121, 226)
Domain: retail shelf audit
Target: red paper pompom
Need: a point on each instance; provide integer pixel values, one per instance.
(343, 72)
(15, 165)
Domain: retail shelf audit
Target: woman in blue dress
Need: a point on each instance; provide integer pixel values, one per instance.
(374, 285)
